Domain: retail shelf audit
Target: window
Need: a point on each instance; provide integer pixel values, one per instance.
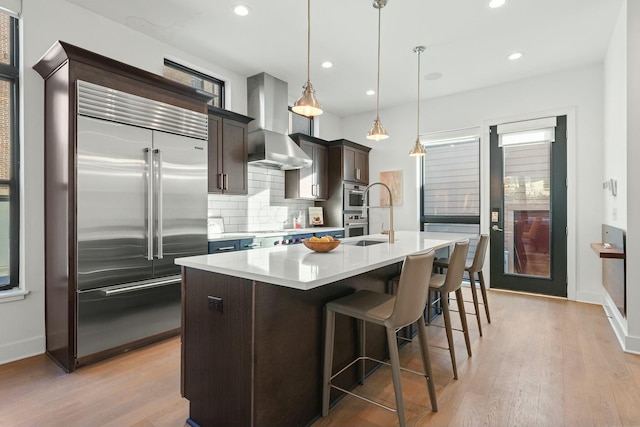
(196, 79)
(300, 124)
(9, 154)
(451, 185)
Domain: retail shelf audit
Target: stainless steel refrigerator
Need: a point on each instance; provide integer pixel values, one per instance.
(142, 202)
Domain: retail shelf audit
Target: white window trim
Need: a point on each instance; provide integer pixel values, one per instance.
(13, 295)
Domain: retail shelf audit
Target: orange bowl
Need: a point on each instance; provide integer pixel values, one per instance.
(321, 246)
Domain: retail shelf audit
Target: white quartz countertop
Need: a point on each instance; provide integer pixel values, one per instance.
(271, 233)
(297, 267)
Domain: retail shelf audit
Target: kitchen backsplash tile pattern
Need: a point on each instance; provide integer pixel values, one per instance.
(264, 208)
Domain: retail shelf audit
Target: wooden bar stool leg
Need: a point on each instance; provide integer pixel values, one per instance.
(463, 319)
(483, 289)
(394, 360)
(330, 322)
(426, 362)
(447, 327)
(474, 295)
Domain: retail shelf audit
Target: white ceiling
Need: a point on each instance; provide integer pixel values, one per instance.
(466, 41)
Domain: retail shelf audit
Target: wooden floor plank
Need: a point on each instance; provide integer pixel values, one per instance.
(541, 362)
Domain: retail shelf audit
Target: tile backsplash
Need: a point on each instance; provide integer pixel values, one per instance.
(264, 208)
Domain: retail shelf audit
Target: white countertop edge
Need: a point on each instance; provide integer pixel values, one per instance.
(295, 284)
(204, 262)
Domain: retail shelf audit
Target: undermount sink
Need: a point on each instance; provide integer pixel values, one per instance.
(365, 242)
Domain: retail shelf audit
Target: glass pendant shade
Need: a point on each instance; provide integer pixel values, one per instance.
(377, 132)
(417, 150)
(307, 104)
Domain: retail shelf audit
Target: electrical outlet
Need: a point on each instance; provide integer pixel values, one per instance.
(215, 303)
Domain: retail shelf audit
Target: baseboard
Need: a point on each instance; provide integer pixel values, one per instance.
(619, 325)
(22, 349)
(632, 345)
(589, 297)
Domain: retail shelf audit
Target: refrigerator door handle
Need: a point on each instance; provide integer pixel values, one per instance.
(159, 202)
(138, 286)
(149, 160)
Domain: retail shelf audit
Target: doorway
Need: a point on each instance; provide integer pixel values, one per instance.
(528, 206)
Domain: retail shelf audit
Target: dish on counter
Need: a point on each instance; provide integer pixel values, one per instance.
(321, 245)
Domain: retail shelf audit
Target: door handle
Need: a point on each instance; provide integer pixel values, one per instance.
(149, 159)
(496, 228)
(220, 183)
(226, 181)
(159, 204)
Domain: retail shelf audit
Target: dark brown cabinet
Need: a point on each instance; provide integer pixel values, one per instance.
(312, 182)
(228, 151)
(355, 161)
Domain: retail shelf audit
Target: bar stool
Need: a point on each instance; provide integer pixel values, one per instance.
(392, 312)
(475, 268)
(445, 284)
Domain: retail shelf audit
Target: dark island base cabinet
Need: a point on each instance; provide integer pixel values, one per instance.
(274, 332)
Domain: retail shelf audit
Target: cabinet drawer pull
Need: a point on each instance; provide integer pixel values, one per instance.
(226, 248)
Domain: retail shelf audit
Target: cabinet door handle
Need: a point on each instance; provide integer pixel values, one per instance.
(226, 182)
(220, 184)
(357, 173)
(226, 248)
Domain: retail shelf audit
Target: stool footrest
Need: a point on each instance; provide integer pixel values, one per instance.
(358, 359)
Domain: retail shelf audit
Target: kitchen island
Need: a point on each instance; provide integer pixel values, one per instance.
(252, 326)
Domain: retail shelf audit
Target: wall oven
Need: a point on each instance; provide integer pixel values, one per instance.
(353, 196)
(355, 226)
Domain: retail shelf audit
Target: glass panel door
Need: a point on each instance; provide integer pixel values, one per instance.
(529, 210)
(527, 177)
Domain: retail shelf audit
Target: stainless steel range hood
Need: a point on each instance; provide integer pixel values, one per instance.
(269, 144)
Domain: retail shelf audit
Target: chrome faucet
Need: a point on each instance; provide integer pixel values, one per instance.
(364, 207)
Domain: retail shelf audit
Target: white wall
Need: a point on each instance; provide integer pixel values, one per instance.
(44, 22)
(579, 88)
(615, 124)
(263, 208)
(615, 145)
(633, 175)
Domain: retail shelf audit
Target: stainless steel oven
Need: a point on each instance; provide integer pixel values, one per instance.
(355, 225)
(353, 196)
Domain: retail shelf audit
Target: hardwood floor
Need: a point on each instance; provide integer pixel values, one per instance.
(541, 362)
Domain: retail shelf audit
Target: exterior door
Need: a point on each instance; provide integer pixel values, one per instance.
(529, 206)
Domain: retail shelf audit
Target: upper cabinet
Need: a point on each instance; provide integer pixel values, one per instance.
(228, 151)
(354, 160)
(309, 183)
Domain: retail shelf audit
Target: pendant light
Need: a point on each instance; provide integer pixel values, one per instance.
(418, 149)
(377, 132)
(307, 104)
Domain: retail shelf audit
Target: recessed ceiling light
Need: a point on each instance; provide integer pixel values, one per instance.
(327, 64)
(371, 92)
(515, 55)
(241, 10)
(433, 76)
(497, 3)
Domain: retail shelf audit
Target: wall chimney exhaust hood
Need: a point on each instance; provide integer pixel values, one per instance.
(269, 143)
